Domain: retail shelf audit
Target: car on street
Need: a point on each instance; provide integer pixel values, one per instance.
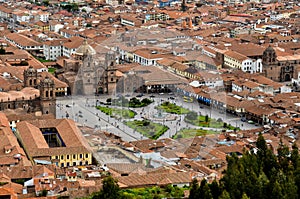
(172, 98)
(68, 106)
(140, 95)
(152, 96)
(243, 119)
(250, 122)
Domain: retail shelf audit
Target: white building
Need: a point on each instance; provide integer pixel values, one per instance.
(52, 49)
(23, 42)
(236, 60)
(70, 47)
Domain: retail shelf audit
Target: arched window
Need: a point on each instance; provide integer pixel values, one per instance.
(47, 93)
(30, 82)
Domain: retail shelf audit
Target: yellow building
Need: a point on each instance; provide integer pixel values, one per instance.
(54, 141)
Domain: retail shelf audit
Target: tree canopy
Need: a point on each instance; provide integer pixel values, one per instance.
(259, 175)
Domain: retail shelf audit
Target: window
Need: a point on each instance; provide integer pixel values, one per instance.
(86, 155)
(68, 157)
(74, 156)
(62, 165)
(62, 157)
(74, 163)
(80, 155)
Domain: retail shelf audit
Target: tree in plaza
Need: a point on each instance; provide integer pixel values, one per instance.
(206, 118)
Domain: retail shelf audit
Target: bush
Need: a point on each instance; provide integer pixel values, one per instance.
(191, 115)
(146, 101)
(146, 122)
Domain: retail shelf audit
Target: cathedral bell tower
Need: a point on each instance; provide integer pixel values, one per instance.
(47, 95)
(30, 77)
(269, 56)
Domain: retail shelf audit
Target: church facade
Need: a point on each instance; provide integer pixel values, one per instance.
(97, 72)
(280, 68)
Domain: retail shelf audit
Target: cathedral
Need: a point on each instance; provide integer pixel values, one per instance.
(280, 68)
(97, 72)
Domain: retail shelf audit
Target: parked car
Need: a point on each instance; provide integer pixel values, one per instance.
(250, 122)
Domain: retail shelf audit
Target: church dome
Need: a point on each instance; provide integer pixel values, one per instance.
(85, 49)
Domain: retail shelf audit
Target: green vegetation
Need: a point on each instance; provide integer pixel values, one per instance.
(70, 7)
(111, 190)
(136, 103)
(42, 60)
(147, 128)
(153, 192)
(259, 175)
(124, 113)
(172, 108)
(187, 133)
(132, 103)
(51, 70)
(204, 121)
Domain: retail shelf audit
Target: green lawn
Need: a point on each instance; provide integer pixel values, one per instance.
(172, 108)
(51, 70)
(205, 121)
(147, 128)
(187, 133)
(124, 113)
